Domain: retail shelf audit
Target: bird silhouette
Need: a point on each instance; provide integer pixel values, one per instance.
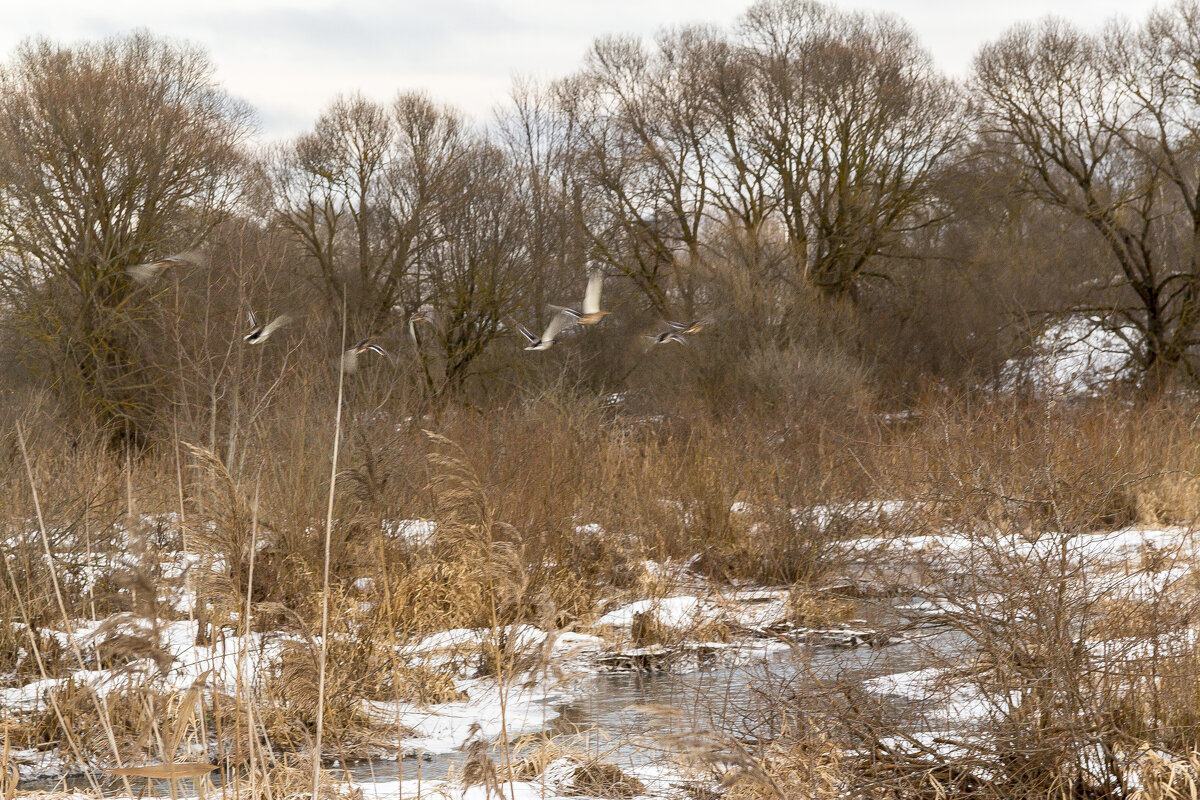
(426, 315)
(666, 337)
(144, 273)
(689, 328)
(590, 312)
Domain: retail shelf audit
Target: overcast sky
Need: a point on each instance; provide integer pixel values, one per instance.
(289, 57)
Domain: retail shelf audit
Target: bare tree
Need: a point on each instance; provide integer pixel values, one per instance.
(433, 144)
(645, 151)
(744, 188)
(353, 205)
(854, 122)
(409, 211)
(478, 270)
(538, 140)
(1103, 127)
(112, 154)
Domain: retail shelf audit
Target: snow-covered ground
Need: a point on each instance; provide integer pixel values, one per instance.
(1076, 356)
(756, 621)
(238, 664)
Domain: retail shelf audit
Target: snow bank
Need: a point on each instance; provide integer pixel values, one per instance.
(489, 711)
(685, 611)
(1077, 356)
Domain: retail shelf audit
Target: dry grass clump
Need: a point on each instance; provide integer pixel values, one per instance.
(1022, 466)
(711, 631)
(294, 685)
(1123, 617)
(67, 711)
(144, 724)
(572, 772)
(724, 759)
(360, 669)
(423, 685)
(538, 751)
(1161, 777)
(808, 607)
(479, 769)
(595, 778)
(649, 494)
(439, 594)
(646, 630)
(1172, 498)
(35, 653)
(10, 775)
(810, 767)
(292, 779)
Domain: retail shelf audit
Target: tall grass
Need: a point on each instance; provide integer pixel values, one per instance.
(550, 506)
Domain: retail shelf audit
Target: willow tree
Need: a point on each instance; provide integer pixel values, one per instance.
(112, 154)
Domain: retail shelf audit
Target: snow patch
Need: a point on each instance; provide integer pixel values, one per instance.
(1074, 357)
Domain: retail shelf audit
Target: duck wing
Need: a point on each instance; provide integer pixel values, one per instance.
(591, 298)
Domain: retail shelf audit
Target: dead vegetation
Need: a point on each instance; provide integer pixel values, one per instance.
(859, 425)
(1097, 670)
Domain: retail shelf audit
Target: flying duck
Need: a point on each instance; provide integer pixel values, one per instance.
(590, 313)
(144, 273)
(259, 333)
(350, 357)
(550, 335)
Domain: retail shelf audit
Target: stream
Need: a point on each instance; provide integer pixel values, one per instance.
(606, 715)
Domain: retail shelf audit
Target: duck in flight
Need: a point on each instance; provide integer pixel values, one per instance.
(590, 312)
(428, 316)
(688, 328)
(144, 273)
(666, 337)
(350, 357)
(678, 331)
(259, 333)
(559, 321)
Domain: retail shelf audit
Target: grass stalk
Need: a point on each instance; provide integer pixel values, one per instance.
(68, 628)
(44, 674)
(333, 471)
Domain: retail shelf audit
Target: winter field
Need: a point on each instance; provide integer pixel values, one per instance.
(936, 597)
(755, 412)
(1019, 611)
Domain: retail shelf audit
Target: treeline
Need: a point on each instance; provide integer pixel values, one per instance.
(858, 225)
